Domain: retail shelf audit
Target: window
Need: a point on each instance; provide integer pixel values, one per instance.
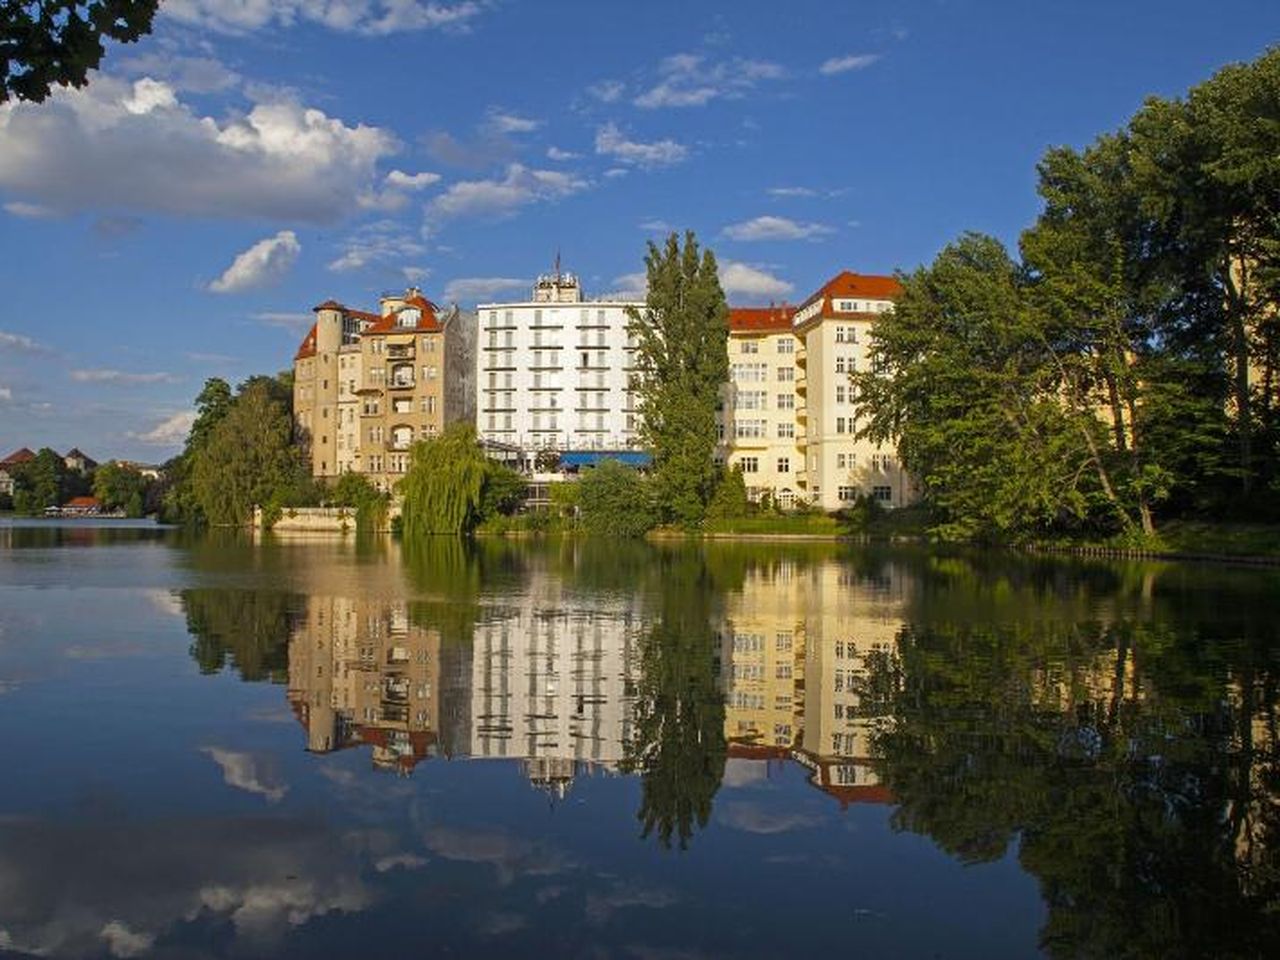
(846, 461)
(753, 400)
(840, 425)
(840, 365)
(750, 464)
(749, 429)
(786, 431)
(784, 464)
(841, 393)
(749, 372)
(883, 494)
(750, 346)
(782, 641)
(847, 494)
(786, 374)
(786, 401)
(786, 345)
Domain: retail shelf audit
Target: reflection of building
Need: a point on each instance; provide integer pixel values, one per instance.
(361, 673)
(798, 646)
(552, 685)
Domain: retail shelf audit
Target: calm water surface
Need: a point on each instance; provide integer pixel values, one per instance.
(311, 748)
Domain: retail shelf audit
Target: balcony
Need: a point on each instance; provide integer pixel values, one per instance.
(400, 383)
(400, 351)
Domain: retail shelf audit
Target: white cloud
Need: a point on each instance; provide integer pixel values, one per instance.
(555, 153)
(687, 80)
(607, 91)
(376, 244)
(776, 228)
(120, 377)
(369, 17)
(411, 181)
(169, 432)
(792, 192)
(631, 286)
(397, 187)
(480, 289)
(521, 186)
(30, 211)
(6, 394)
(656, 226)
(138, 147)
(611, 142)
(194, 74)
(854, 61)
(263, 264)
(744, 280)
(19, 343)
(501, 122)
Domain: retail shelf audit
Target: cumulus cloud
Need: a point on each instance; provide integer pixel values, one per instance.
(263, 264)
(610, 142)
(379, 244)
(854, 61)
(630, 286)
(776, 228)
(136, 146)
(192, 74)
(497, 198)
(747, 281)
(6, 394)
(169, 432)
(479, 289)
(368, 17)
(688, 80)
(396, 187)
(123, 942)
(555, 153)
(248, 772)
(120, 377)
(499, 121)
(411, 181)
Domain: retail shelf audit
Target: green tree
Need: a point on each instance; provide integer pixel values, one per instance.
(249, 458)
(614, 501)
(504, 490)
(681, 353)
(43, 482)
(730, 498)
(444, 487)
(178, 503)
(370, 503)
(120, 487)
(47, 43)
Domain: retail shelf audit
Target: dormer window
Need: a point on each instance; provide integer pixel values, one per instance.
(409, 317)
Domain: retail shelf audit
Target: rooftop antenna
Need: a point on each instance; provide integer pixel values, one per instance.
(557, 264)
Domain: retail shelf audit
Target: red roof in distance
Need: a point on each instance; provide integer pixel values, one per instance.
(308, 346)
(851, 286)
(760, 319)
(21, 455)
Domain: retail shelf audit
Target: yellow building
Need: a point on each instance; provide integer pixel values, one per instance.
(367, 386)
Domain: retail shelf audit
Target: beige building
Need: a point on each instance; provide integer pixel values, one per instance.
(789, 417)
(367, 386)
(758, 428)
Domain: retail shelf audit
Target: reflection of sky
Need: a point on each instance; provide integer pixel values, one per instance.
(162, 813)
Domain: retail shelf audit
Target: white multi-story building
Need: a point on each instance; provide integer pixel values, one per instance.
(556, 372)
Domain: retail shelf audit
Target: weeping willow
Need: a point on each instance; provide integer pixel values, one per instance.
(444, 485)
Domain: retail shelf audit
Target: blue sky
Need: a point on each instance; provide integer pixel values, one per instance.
(178, 218)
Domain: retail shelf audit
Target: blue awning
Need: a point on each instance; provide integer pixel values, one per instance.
(589, 458)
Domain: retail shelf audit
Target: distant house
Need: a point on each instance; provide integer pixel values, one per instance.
(78, 507)
(7, 469)
(79, 461)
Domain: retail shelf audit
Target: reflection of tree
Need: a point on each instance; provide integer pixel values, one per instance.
(248, 628)
(678, 746)
(1127, 760)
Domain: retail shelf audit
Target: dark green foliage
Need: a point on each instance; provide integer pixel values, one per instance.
(444, 487)
(614, 501)
(247, 630)
(729, 502)
(45, 482)
(120, 487)
(679, 747)
(47, 43)
(370, 503)
(503, 493)
(681, 337)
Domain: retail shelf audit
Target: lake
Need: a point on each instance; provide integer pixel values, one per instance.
(227, 746)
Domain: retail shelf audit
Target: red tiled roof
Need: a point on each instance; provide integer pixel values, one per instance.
(870, 793)
(83, 502)
(21, 455)
(744, 750)
(760, 319)
(308, 347)
(427, 320)
(849, 285)
(328, 305)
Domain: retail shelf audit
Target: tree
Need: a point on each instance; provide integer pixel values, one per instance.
(42, 482)
(120, 487)
(614, 501)
(681, 353)
(504, 490)
(249, 459)
(177, 499)
(370, 503)
(730, 498)
(47, 43)
(444, 487)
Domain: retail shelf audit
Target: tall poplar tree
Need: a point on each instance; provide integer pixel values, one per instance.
(681, 337)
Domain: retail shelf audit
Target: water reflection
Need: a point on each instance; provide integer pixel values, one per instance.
(541, 746)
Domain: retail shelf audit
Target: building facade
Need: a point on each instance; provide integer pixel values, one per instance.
(788, 415)
(556, 372)
(368, 385)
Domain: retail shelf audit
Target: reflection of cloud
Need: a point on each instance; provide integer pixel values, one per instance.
(408, 861)
(497, 923)
(135, 881)
(601, 907)
(741, 773)
(752, 818)
(165, 601)
(248, 772)
(511, 856)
